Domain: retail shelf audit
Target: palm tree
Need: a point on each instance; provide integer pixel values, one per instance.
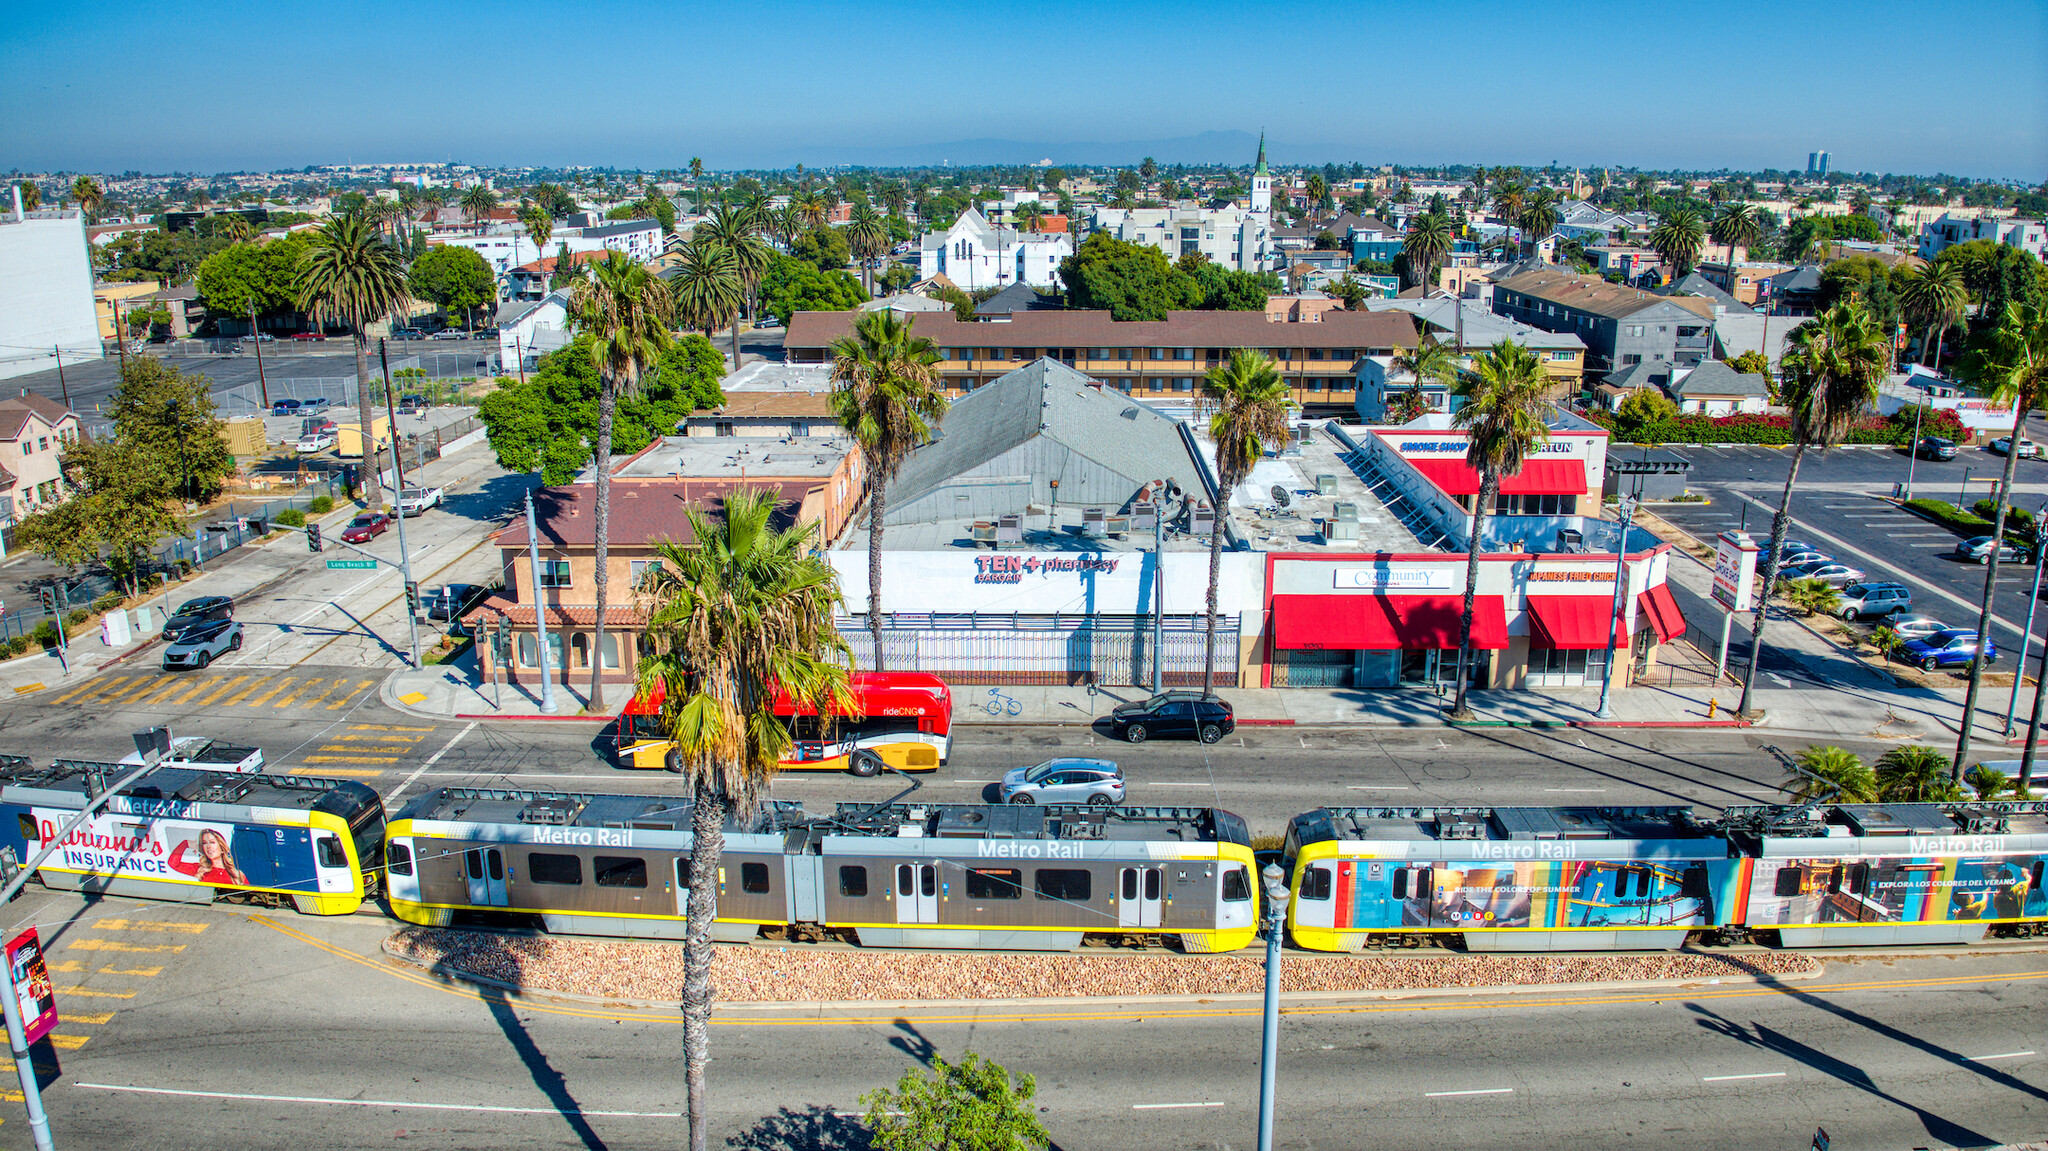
(1738, 225)
(31, 195)
(787, 224)
(813, 209)
(1508, 194)
(738, 230)
(709, 289)
(1427, 243)
(887, 395)
(1318, 188)
(87, 192)
(868, 235)
(236, 229)
(1830, 775)
(1677, 240)
(539, 227)
(1989, 782)
(1915, 774)
(741, 614)
(2011, 366)
(625, 309)
(1503, 420)
(1934, 297)
(1828, 378)
(1247, 403)
(1431, 362)
(351, 276)
(477, 203)
(1538, 217)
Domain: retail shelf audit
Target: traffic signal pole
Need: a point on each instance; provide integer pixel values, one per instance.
(412, 598)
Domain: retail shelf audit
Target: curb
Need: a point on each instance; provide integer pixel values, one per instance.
(388, 696)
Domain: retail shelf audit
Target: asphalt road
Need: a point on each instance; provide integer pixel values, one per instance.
(209, 1028)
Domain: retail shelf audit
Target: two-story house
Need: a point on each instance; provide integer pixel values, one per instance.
(33, 433)
(1620, 325)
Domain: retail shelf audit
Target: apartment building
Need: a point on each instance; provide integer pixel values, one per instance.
(1620, 325)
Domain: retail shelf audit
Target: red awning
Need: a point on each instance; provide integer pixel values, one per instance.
(1537, 477)
(1569, 621)
(1657, 606)
(1384, 623)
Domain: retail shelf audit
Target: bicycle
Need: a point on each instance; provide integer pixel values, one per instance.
(1000, 704)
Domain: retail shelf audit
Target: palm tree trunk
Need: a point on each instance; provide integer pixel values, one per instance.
(1223, 491)
(1938, 334)
(875, 569)
(1489, 490)
(1780, 523)
(373, 488)
(735, 341)
(2021, 404)
(707, 846)
(607, 405)
(1926, 344)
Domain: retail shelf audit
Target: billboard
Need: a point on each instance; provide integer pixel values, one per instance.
(1588, 893)
(176, 850)
(1735, 571)
(32, 988)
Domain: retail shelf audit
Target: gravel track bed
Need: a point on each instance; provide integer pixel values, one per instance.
(770, 974)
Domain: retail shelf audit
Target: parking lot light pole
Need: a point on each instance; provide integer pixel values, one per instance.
(1275, 882)
(1913, 450)
(412, 623)
(2019, 667)
(540, 614)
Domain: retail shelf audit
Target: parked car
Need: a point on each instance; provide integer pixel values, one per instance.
(309, 336)
(1094, 781)
(1801, 558)
(2029, 450)
(202, 644)
(487, 333)
(265, 338)
(196, 613)
(314, 406)
(1874, 599)
(1977, 549)
(1188, 714)
(316, 442)
(363, 527)
(413, 501)
(407, 334)
(452, 334)
(1935, 448)
(1915, 626)
(1795, 547)
(1832, 574)
(449, 601)
(285, 408)
(1956, 647)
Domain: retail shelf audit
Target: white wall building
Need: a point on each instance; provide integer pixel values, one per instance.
(529, 330)
(2028, 236)
(1239, 236)
(45, 291)
(974, 253)
(506, 248)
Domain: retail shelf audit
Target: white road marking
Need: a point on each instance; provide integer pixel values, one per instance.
(1481, 1091)
(955, 781)
(384, 1103)
(1575, 789)
(1178, 785)
(431, 761)
(1757, 1075)
(2007, 1055)
(1377, 787)
(1169, 1106)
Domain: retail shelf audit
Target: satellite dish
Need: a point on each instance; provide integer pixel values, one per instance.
(1280, 496)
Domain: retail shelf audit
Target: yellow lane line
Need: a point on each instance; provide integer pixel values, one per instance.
(117, 945)
(101, 1017)
(68, 966)
(89, 993)
(351, 773)
(382, 727)
(351, 758)
(287, 699)
(68, 1042)
(254, 683)
(351, 693)
(198, 687)
(172, 685)
(130, 692)
(148, 925)
(225, 687)
(378, 738)
(145, 972)
(90, 687)
(286, 682)
(316, 698)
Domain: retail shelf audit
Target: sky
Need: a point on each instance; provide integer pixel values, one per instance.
(1959, 87)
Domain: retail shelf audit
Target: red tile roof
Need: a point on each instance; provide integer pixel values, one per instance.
(616, 615)
(643, 512)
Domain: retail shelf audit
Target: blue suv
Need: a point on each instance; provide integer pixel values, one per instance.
(1956, 647)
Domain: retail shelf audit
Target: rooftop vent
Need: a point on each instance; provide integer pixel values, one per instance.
(555, 810)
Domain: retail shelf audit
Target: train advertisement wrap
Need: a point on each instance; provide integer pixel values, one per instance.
(32, 988)
(1897, 889)
(181, 851)
(1370, 895)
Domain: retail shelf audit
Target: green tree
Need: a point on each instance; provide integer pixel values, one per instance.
(962, 303)
(868, 236)
(1644, 408)
(1425, 245)
(1831, 373)
(972, 1105)
(738, 230)
(31, 195)
(168, 417)
(1227, 290)
(455, 278)
(1130, 281)
(1990, 783)
(477, 205)
(825, 247)
(1830, 775)
(887, 394)
(625, 311)
(87, 192)
(1933, 297)
(2009, 366)
(1538, 218)
(1887, 641)
(351, 276)
(709, 289)
(1246, 404)
(1432, 363)
(1504, 401)
(1811, 596)
(116, 511)
(1754, 363)
(735, 618)
(549, 423)
(1997, 275)
(539, 227)
(1738, 225)
(259, 276)
(790, 285)
(1915, 774)
(1677, 240)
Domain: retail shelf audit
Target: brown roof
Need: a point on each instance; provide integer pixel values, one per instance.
(546, 264)
(770, 406)
(1096, 329)
(616, 614)
(15, 411)
(643, 512)
(1595, 295)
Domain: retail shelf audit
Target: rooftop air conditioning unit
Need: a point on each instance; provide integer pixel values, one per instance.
(1203, 520)
(1340, 529)
(1144, 517)
(1326, 484)
(1093, 523)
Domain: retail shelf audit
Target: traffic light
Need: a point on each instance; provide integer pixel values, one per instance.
(412, 597)
(312, 537)
(49, 598)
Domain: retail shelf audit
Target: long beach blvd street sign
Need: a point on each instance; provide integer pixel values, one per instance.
(340, 564)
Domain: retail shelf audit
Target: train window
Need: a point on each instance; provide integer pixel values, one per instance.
(1788, 882)
(903, 880)
(545, 867)
(1130, 887)
(619, 871)
(1859, 878)
(1070, 883)
(330, 852)
(853, 882)
(1643, 883)
(1315, 883)
(927, 880)
(1400, 884)
(495, 864)
(2035, 882)
(1424, 878)
(754, 878)
(1151, 883)
(399, 858)
(1835, 879)
(1236, 888)
(475, 860)
(995, 883)
(27, 824)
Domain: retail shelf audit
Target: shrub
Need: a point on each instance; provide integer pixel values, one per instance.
(2016, 518)
(320, 505)
(45, 634)
(1689, 498)
(17, 644)
(290, 518)
(1886, 641)
(76, 616)
(1811, 596)
(108, 602)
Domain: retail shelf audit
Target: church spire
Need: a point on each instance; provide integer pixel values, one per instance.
(1260, 169)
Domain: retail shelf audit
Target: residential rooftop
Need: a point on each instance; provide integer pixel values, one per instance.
(737, 458)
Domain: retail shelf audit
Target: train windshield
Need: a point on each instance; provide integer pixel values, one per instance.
(360, 808)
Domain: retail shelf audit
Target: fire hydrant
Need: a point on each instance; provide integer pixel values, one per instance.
(1713, 705)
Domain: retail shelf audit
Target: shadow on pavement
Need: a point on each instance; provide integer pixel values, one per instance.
(814, 1128)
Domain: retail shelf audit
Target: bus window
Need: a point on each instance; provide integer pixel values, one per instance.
(1788, 882)
(754, 878)
(1400, 886)
(546, 867)
(619, 871)
(1236, 889)
(1074, 884)
(400, 859)
(853, 882)
(331, 854)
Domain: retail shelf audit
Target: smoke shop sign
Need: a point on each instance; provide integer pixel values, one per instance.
(1017, 569)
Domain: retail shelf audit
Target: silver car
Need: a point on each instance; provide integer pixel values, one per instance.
(202, 645)
(1833, 574)
(1096, 781)
(1915, 626)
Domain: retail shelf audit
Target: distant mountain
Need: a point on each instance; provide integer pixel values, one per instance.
(1236, 148)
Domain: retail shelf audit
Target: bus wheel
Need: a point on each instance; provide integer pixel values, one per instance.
(865, 764)
(673, 761)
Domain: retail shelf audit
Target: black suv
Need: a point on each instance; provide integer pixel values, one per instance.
(1189, 714)
(1936, 448)
(195, 612)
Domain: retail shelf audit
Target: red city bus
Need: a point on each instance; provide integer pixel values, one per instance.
(891, 719)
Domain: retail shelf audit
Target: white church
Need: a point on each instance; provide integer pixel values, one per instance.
(974, 253)
(1238, 236)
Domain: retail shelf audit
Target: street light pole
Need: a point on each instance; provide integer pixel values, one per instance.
(1628, 512)
(1269, 1044)
(1913, 452)
(2019, 667)
(540, 615)
(412, 622)
(256, 338)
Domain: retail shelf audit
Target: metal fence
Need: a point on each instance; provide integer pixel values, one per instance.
(1053, 650)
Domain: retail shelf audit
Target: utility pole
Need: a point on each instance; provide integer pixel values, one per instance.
(61, 384)
(1628, 511)
(256, 337)
(412, 621)
(2019, 666)
(1158, 589)
(1275, 883)
(540, 617)
(1913, 453)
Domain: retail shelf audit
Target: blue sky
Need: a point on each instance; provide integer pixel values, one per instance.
(1958, 87)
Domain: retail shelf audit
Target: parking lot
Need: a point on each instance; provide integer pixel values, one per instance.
(1841, 505)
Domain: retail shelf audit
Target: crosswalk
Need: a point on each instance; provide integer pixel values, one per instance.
(94, 976)
(360, 751)
(193, 691)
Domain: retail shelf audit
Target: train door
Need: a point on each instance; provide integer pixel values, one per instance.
(401, 874)
(484, 867)
(682, 888)
(1139, 895)
(917, 893)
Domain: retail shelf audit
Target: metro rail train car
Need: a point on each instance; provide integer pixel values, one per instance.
(924, 875)
(192, 836)
(1865, 874)
(1509, 878)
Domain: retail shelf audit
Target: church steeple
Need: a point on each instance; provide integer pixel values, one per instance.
(1260, 169)
(1262, 181)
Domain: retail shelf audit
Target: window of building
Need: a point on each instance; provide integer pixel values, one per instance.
(42, 443)
(1123, 353)
(1630, 358)
(547, 867)
(554, 573)
(722, 428)
(1183, 353)
(529, 653)
(579, 648)
(1184, 384)
(641, 568)
(611, 650)
(1635, 329)
(1315, 353)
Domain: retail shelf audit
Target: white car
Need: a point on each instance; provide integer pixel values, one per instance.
(316, 442)
(413, 501)
(2029, 450)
